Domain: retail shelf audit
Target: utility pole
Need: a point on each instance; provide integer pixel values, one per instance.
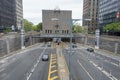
(97, 36)
(22, 36)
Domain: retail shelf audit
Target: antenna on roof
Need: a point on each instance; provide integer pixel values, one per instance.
(57, 9)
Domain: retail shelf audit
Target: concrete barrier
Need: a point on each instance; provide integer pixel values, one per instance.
(12, 43)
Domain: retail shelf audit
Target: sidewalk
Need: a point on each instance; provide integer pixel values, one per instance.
(103, 52)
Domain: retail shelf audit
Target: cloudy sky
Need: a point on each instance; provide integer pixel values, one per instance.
(33, 8)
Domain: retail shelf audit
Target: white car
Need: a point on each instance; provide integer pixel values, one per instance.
(45, 57)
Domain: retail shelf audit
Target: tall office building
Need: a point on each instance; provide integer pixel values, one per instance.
(90, 11)
(108, 10)
(10, 13)
(19, 13)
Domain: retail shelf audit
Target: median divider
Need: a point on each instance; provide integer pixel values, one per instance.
(53, 68)
(62, 66)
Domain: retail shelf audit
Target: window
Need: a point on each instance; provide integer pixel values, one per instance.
(46, 31)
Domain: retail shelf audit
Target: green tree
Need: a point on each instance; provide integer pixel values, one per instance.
(39, 26)
(34, 27)
(77, 28)
(27, 25)
(112, 27)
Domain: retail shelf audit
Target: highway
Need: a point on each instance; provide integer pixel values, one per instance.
(26, 65)
(91, 66)
(84, 65)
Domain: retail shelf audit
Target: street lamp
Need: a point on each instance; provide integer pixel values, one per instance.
(22, 36)
(72, 21)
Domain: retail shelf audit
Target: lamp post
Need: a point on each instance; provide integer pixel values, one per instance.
(22, 36)
(72, 21)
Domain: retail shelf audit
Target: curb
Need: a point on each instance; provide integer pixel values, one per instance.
(107, 52)
(19, 50)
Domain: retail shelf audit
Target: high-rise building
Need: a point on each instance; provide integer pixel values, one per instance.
(11, 11)
(90, 11)
(108, 10)
(19, 13)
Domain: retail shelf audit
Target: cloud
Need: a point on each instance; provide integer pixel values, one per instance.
(33, 9)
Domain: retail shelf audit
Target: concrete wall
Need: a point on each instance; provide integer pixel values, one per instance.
(106, 44)
(12, 43)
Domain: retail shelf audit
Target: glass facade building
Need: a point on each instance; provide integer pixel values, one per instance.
(9, 13)
(108, 10)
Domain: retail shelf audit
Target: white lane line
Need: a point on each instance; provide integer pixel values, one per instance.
(2, 69)
(29, 76)
(109, 75)
(117, 65)
(85, 70)
(34, 67)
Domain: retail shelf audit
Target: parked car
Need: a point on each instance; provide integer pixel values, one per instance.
(90, 49)
(45, 57)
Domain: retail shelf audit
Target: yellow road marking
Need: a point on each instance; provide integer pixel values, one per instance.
(49, 67)
(55, 77)
(53, 71)
(54, 59)
(54, 62)
(53, 66)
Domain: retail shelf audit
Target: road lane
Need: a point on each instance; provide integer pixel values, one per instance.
(102, 63)
(21, 66)
(91, 70)
(77, 72)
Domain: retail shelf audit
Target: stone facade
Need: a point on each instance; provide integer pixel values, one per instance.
(56, 22)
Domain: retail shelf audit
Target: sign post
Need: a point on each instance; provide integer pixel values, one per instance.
(97, 36)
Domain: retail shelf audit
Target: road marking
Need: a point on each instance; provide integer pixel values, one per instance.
(50, 67)
(85, 70)
(117, 65)
(33, 69)
(2, 69)
(66, 65)
(53, 68)
(54, 78)
(53, 71)
(109, 75)
(53, 62)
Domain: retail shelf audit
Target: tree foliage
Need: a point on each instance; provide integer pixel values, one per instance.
(112, 27)
(27, 25)
(39, 27)
(76, 28)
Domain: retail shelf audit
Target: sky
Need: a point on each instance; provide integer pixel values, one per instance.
(32, 9)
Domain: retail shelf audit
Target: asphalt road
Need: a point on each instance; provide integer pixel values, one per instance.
(26, 65)
(91, 66)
